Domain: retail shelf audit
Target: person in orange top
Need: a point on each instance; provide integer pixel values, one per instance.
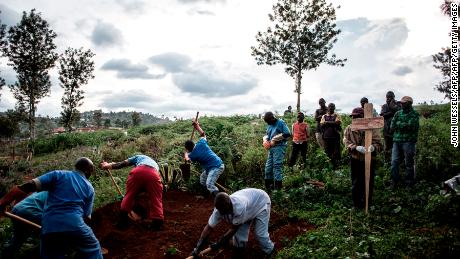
(299, 141)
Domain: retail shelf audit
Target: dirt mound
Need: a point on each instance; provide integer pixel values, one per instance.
(185, 217)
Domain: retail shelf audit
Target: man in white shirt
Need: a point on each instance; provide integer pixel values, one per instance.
(240, 209)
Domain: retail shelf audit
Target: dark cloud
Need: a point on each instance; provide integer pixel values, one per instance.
(106, 35)
(127, 70)
(197, 1)
(136, 99)
(402, 71)
(171, 62)
(8, 16)
(132, 6)
(212, 84)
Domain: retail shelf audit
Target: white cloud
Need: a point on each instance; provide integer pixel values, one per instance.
(387, 43)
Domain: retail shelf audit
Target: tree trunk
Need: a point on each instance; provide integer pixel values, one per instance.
(298, 87)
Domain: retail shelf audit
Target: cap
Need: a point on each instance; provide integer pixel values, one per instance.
(357, 112)
(407, 99)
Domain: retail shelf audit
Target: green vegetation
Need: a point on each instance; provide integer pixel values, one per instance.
(410, 223)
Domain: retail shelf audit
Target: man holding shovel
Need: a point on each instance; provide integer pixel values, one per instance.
(241, 209)
(31, 208)
(144, 177)
(211, 164)
(70, 201)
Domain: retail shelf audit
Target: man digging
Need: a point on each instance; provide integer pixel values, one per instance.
(241, 209)
(211, 164)
(70, 202)
(144, 177)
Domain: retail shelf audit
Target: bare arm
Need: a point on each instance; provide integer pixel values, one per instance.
(114, 165)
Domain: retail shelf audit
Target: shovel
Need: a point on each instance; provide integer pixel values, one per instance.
(185, 167)
(114, 183)
(28, 222)
(205, 251)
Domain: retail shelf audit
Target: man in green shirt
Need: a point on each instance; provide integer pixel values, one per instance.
(405, 127)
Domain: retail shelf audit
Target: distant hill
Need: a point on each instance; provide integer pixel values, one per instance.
(118, 117)
(45, 124)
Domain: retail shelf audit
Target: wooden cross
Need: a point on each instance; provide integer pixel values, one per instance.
(368, 123)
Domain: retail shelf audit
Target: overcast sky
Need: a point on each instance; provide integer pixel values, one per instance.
(176, 57)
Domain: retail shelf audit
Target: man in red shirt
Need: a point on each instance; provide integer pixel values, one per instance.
(299, 140)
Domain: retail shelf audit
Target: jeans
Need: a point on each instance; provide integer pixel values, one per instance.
(406, 149)
(240, 238)
(209, 178)
(274, 164)
(56, 245)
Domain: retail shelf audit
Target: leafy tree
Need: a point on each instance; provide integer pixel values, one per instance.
(107, 123)
(136, 118)
(75, 70)
(97, 118)
(30, 50)
(2, 46)
(124, 124)
(303, 33)
(442, 62)
(9, 123)
(442, 59)
(118, 123)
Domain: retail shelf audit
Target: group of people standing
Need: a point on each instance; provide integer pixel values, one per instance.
(400, 132)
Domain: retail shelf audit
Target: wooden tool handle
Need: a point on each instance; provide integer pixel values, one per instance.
(23, 220)
(205, 251)
(114, 183)
(193, 131)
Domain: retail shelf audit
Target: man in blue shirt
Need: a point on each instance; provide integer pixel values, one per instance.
(211, 164)
(70, 200)
(30, 208)
(275, 142)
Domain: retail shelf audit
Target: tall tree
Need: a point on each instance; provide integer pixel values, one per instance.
(107, 123)
(2, 47)
(136, 118)
(30, 50)
(9, 124)
(442, 62)
(97, 118)
(75, 70)
(442, 59)
(303, 33)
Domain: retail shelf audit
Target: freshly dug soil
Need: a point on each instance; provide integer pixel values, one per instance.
(185, 217)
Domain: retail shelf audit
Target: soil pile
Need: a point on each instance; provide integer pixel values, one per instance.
(185, 217)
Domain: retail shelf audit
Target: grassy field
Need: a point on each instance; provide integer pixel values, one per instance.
(402, 223)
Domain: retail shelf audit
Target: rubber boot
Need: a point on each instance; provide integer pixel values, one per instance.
(269, 185)
(123, 221)
(278, 185)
